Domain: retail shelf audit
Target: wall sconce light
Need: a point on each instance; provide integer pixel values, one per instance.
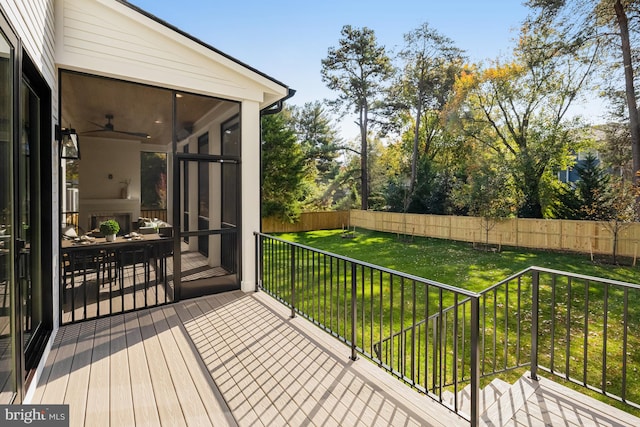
(68, 139)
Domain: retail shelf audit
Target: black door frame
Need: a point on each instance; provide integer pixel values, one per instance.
(178, 188)
(45, 198)
(24, 67)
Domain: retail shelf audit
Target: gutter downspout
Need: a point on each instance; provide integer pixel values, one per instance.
(277, 106)
(274, 108)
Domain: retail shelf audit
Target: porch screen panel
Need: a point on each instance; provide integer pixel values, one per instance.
(209, 164)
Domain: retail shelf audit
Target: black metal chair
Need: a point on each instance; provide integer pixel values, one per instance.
(133, 257)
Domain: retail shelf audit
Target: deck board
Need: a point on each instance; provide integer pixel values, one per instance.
(164, 389)
(120, 398)
(209, 393)
(78, 384)
(188, 396)
(98, 411)
(143, 398)
(55, 384)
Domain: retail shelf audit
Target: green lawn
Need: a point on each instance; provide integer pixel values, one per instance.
(453, 263)
(459, 264)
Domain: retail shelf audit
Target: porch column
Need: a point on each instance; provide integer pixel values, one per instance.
(250, 146)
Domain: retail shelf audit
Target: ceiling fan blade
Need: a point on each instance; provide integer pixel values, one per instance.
(98, 124)
(140, 134)
(110, 128)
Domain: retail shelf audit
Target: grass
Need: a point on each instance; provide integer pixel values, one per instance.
(459, 264)
(453, 263)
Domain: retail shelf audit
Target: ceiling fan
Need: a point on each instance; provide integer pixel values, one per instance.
(108, 127)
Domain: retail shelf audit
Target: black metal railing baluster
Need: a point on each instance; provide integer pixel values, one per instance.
(625, 341)
(567, 349)
(354, 312)
(605, 328)
(585, 344)
(293, 282)
(553, 323)
(465, 334)
(534, 323)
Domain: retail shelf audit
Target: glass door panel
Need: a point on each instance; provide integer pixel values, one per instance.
(7, 363)
(29, 214)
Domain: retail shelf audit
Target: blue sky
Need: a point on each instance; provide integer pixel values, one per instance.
(287, 39)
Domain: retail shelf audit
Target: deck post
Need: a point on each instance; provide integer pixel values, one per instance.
(258, 273)
(354, 313)
(475, 361)
(535, 283)
(293, 281)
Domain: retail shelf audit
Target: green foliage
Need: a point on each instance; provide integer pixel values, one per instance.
(591, 199)
(358, 70)
(153, 180)
(518, 109)
(610, 26)
(109, 227)
(321, 146)
(282, 170)
(487, 192)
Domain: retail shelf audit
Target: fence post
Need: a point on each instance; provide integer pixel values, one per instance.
(354, 315)
(293, 281)
(534, 323)
(475, 361)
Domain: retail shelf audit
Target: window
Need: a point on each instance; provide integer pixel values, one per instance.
(153, 180)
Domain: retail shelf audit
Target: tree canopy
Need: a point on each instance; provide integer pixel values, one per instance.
(438, 134)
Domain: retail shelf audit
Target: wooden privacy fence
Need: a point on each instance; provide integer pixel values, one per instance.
(551, 234)
(308, 221)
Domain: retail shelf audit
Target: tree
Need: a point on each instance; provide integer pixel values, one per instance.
(358, 69)
(591, 198)
(518, 109)
(282, 170)
(615, 23)
(623, 211)
(430, 64)
(153, 180)
(321, 146)
(487, 194)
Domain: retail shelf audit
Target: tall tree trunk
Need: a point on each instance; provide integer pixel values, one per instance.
(364, 158)
(634, 124)
(529, 183)
(414, 158)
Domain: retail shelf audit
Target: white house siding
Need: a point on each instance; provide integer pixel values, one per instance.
(109, 37)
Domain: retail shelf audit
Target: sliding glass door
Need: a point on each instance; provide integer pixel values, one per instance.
(28, 234)
(7, 291)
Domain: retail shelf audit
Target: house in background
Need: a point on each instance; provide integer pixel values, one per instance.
(121, 87)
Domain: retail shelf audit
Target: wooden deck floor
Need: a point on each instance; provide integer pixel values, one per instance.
(237, 359)
(228, 359)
